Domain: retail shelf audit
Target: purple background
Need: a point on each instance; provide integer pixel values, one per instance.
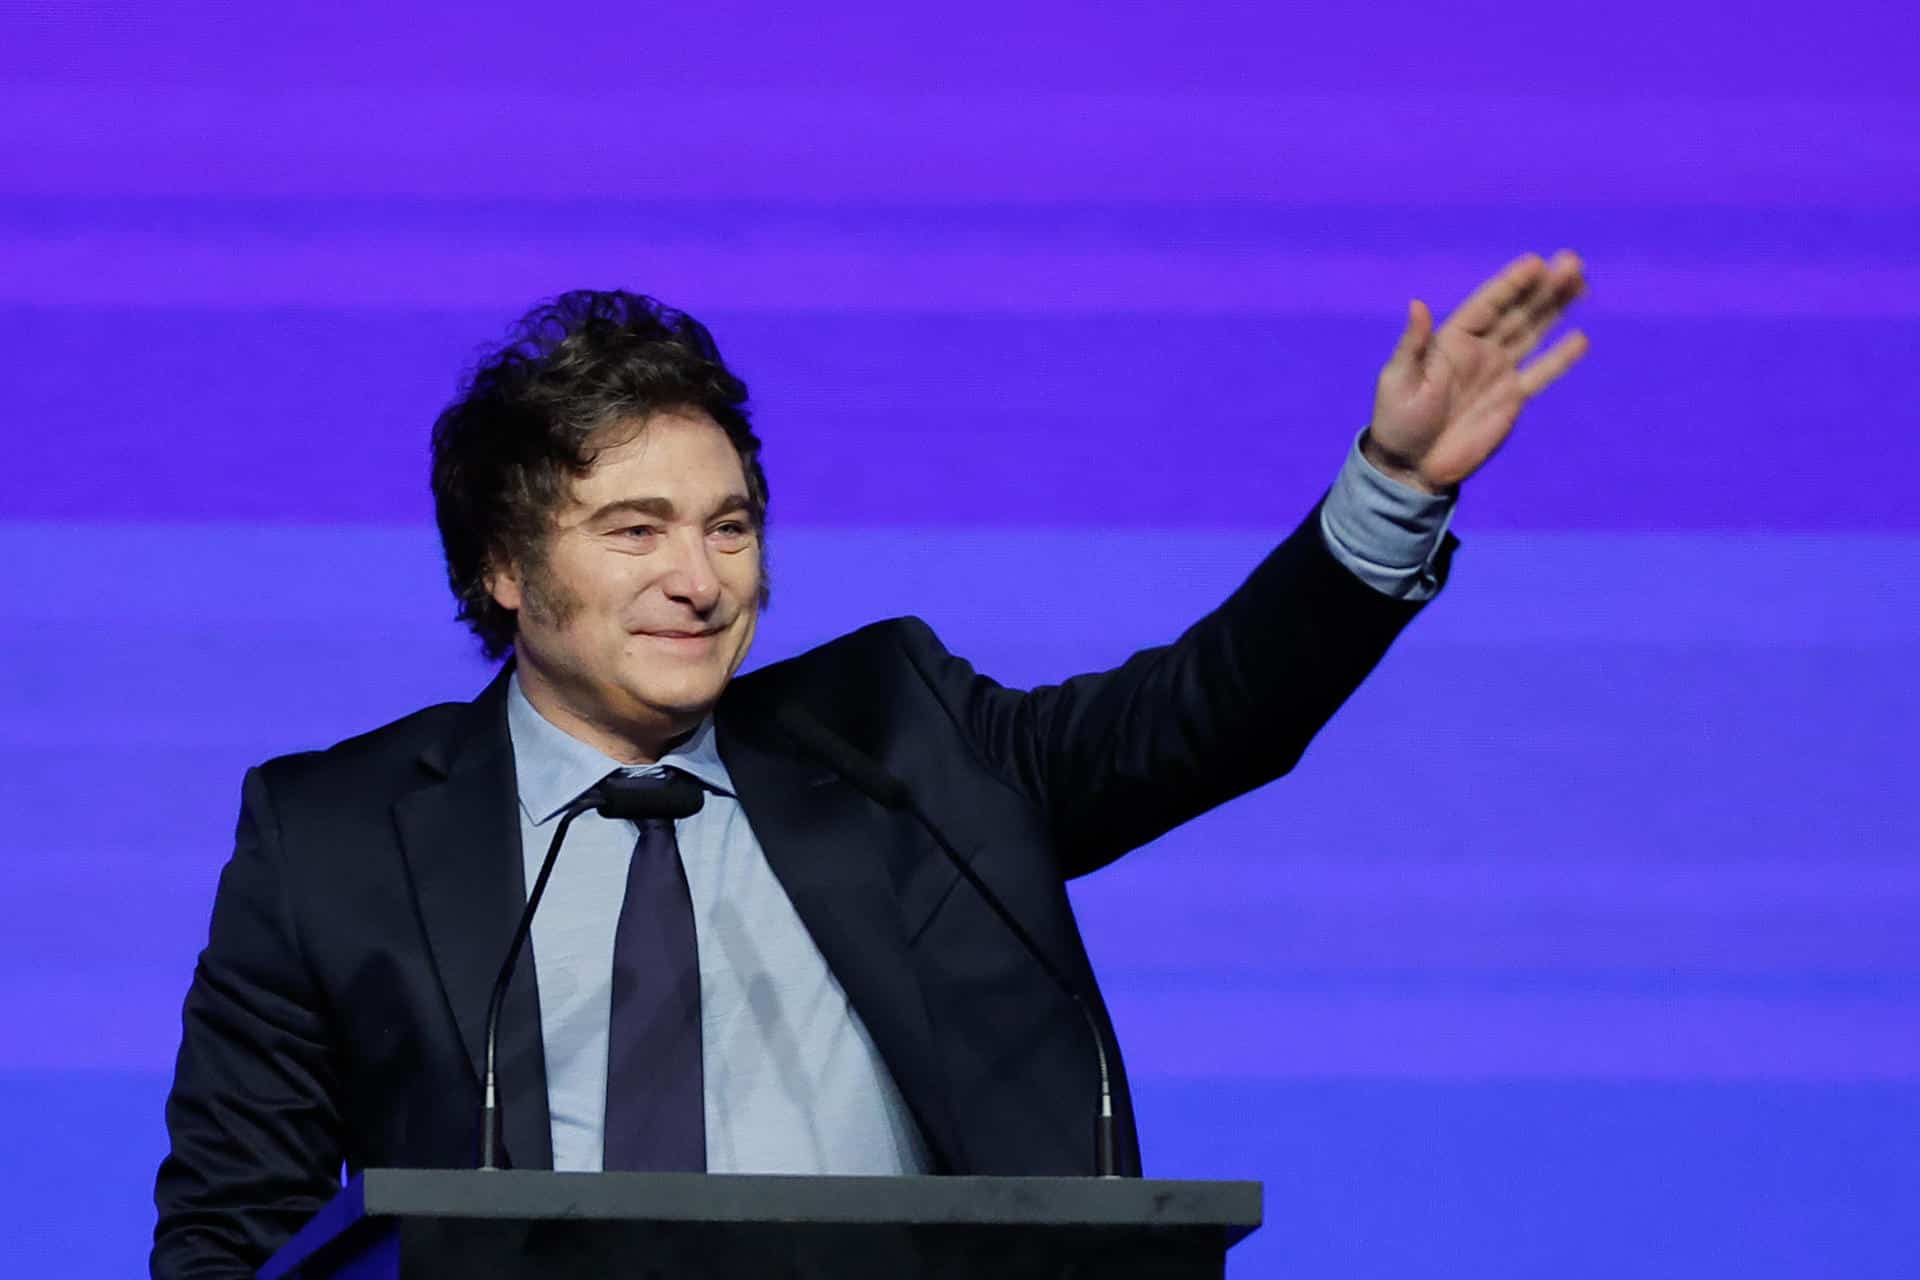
(1586, 942)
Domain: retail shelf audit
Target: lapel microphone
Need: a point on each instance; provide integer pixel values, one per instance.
(884, 789)
(670, 795)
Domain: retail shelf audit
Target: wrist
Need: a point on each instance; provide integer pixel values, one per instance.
(1394, 468)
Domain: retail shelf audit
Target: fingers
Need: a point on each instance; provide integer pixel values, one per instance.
(1521, 329)
(1412, 346)
(1481, 313)
(1556, 360)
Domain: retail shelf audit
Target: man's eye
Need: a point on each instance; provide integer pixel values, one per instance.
(732, 529)
(639, 531)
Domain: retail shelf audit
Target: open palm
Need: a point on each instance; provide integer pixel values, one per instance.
(1447, 400)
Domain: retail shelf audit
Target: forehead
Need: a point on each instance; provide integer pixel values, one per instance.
(680, 454)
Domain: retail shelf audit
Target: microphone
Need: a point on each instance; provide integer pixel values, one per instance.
(672, 795)
(883, 788)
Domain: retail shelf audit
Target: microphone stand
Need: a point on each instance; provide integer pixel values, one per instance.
(889, 792)
(674, 795)
(490, 1105)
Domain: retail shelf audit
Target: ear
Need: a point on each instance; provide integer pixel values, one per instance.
(504, 585)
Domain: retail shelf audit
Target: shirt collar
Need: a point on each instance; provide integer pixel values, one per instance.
(554, 767)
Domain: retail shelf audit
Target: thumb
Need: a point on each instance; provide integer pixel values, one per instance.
(1413, 342)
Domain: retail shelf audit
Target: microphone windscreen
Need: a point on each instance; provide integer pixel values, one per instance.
(643, 796)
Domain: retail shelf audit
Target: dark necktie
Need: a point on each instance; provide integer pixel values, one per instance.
(656, 1100)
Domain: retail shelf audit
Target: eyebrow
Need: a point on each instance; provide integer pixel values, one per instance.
(663, 508)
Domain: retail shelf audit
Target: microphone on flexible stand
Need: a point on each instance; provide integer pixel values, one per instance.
(670, 795)
(884, 789)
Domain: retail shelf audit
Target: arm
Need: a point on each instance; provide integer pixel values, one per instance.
(1116, 759)
(252, 1117)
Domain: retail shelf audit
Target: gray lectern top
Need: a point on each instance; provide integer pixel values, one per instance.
(394, 1223)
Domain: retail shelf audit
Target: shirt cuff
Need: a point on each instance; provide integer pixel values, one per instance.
(1386, 533)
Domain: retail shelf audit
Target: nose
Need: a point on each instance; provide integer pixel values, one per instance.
(691, 579)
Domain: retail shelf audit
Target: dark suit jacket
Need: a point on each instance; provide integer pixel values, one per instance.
(336, 1013)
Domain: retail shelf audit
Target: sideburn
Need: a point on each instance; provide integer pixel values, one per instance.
(542, 595)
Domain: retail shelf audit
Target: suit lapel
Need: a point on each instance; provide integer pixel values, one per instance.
(460, 835)
(827, 845)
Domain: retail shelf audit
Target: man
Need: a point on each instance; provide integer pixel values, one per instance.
(794, 978)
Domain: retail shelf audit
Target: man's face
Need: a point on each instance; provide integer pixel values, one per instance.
(645, 599)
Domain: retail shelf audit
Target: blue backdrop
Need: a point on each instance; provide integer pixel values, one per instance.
(1586, 942)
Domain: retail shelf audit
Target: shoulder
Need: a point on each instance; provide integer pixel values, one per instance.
(376, 765)
(887, 649)
(863, 684)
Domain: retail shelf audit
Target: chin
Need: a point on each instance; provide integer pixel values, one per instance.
(689, 701)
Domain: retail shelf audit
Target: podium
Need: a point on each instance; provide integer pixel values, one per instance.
(398, 1224)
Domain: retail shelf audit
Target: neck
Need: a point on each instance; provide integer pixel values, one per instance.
(641, 739)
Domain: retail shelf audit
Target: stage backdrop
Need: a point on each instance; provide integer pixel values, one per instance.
(1586, 942)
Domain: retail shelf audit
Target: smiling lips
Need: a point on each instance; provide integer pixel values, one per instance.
(687, 639)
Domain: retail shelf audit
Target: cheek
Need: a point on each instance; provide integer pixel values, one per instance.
(734, 575)
(622, 591)
(751, 576)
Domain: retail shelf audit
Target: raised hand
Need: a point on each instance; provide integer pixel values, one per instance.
(1447, 400)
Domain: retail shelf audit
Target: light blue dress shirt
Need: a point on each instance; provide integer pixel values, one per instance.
(1386, 533)
(794, 1083)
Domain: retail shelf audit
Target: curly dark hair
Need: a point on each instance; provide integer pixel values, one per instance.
(507, 450)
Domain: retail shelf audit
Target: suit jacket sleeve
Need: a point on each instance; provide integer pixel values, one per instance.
(253, 1118)
(1117, 758)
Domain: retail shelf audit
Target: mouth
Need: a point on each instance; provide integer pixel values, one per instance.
(675, 638)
